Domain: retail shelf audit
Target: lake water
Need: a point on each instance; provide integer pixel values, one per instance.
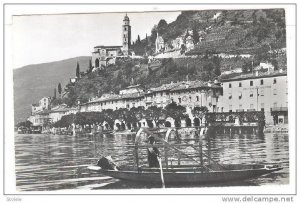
(58, 162)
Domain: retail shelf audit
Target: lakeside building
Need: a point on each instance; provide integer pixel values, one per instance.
(130, 97)
(43, 104)
(46, 116)
(262, 91)
(105, 55)
(189, 94)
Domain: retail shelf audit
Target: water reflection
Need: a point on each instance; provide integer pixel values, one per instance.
(56, 162)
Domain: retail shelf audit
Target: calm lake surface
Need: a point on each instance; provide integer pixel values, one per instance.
(59, 162)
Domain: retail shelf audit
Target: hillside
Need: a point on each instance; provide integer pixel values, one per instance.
(32, 82)
(222, 31)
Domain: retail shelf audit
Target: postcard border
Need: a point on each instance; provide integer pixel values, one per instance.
(4, 4)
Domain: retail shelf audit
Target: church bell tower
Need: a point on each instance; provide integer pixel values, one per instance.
(126, 34)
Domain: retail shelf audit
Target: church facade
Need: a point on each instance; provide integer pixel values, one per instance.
(103, 56)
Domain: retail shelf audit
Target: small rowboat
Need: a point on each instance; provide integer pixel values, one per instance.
(184, 174)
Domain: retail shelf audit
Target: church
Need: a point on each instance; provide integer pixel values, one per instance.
(103, 56)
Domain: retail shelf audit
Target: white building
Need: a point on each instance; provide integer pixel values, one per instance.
(106, 55)
(43, 104)
(159, 44)
(266, 92)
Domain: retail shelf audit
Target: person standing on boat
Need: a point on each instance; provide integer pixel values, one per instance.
(153, 154)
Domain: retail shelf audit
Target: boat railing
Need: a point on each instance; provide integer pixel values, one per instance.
(166, 145)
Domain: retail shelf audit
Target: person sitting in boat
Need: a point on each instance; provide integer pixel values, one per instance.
(153, 154)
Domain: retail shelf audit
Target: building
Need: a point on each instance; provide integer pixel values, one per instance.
(177, 43)
(186, 93)
(189, 43)
(159, 44)
(262, 91)
(43, 104)
(106, 55)
(40, 118)
(130, 97)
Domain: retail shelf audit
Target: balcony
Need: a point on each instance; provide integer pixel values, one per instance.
(279, 109)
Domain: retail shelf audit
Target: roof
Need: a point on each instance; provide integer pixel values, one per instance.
(254, 76)
(182, 85)
(126, 18)
(133, 86)
(107, 47)
(132, 95)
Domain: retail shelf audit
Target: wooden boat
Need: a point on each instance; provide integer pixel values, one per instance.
(189, 174)
(181, 173)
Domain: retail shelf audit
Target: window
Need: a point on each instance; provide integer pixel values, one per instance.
(179, 100)
(190, 98)
(261, 82)
(240, 84)
(229, 85)
(127, 106)
(251, 94)
(222, 109)
(251, 83)
(274, 81)
(275, 91)
(197, 98)
(230, 96)
(240, 95)
(262, 92)
(125, 28)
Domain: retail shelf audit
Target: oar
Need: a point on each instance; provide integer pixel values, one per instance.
(171, 146)
(161, 173)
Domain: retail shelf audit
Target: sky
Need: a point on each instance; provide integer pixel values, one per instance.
(46, 38)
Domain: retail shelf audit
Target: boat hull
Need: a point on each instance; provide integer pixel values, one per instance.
(187, 177)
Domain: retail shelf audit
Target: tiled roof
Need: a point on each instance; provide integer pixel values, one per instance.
(132, 95)
(254, 75)
(107, 47)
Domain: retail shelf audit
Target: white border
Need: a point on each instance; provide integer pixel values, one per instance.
(52, 9)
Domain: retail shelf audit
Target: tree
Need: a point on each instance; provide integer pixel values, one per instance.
(162, 26)
(26, 124)
(217, 64)
(59, 88)
(54, 96)
(78, 71)
(177, 112)
(138, 41)
(195, 35)
(155, 113)
(90, 66)
(200, 112)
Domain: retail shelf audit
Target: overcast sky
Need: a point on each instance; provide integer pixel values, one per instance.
(46, 38)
